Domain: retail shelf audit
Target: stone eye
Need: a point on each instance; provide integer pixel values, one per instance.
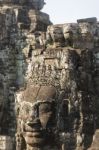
(44, 108)
(26, 110)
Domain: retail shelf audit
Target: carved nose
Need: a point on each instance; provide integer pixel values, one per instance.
(35, 124)
(44, 119)
(33, 115)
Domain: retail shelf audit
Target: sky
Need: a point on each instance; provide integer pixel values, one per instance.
(67, 11)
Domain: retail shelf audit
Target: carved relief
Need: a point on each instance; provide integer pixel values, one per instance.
(37, 112)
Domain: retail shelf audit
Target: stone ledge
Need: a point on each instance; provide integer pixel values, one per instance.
(89, 20)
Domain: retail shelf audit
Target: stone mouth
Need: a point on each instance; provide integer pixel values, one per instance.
(36, 134)
(35, 138)
(34, 130)
(31, 130)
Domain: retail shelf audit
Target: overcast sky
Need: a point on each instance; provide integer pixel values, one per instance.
(62, 11)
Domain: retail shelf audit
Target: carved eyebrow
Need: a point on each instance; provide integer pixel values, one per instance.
(43, 102)
(37, 103)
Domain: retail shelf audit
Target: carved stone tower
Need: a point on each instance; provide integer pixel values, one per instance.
(49, 80)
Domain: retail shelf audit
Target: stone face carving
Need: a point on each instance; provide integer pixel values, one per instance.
(38, 116)
(69, 33)
(85, 29)
(55, 35)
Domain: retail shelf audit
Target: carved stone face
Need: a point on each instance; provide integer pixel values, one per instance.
(67, 31)
(85, 29)
(70, 30)
(56, 33)
(37, 113)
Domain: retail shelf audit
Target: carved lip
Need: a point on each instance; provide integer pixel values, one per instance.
(35, 141)
(34, 134)
(30, 129)
(33, 129)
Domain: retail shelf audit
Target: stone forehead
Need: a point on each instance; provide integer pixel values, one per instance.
(39, 93)
(85, 27)
(70, 27)
(84, 24)
(55, 27)
(67, 26)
